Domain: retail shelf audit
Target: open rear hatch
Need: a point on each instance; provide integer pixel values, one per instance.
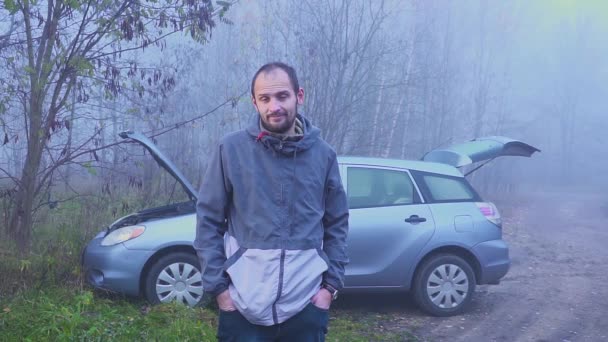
(479, 150)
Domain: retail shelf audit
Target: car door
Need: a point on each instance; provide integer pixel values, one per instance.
(389, 225)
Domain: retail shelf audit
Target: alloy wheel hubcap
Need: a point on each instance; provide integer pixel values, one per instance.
(447, 286)
(181, 282)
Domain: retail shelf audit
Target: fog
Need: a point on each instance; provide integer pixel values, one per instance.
(391, 79)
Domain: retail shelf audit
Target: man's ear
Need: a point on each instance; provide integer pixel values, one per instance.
(254, 103)
(300, 96)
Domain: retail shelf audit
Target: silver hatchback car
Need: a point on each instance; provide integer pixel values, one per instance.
(415, 226)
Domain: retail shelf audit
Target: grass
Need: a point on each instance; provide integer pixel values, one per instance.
(60, 314)
(345, 328)
(43, 297)
(68, 314)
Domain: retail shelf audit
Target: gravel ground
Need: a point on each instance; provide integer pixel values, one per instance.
(556, 289)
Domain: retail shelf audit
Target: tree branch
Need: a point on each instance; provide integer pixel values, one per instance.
(25, 9)
(182, 123)
(14, 179)
(40, 205)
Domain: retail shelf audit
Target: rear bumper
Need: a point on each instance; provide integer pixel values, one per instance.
(113, 268)
(494, 260)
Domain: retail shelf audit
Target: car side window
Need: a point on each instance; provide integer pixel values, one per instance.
(448, 189)
(370, 187)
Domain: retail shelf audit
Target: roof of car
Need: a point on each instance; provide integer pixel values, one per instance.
(444, 169)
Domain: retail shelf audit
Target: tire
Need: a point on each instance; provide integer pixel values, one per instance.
(175, 276)
(444, 285)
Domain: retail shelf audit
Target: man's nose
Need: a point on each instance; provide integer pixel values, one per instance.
(274, 105)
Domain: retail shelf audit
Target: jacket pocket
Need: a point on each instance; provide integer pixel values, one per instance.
(255, 276)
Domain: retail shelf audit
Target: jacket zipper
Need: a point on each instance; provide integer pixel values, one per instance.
(275, 316)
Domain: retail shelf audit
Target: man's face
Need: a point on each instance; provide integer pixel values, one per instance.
(276, 102)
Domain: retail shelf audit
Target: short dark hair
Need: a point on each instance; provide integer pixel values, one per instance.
(291, 72)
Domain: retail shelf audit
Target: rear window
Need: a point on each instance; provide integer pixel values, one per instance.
(440, 188)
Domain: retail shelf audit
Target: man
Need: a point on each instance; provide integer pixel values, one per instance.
(272, 220)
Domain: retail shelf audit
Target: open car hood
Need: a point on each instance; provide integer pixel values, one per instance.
(480, 149)
(162, 160)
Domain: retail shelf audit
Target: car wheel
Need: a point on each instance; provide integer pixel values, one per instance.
(444, 285)
(175, 276)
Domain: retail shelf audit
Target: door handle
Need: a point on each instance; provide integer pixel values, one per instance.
(415, 219)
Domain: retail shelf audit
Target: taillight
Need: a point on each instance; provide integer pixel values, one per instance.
(489, 210)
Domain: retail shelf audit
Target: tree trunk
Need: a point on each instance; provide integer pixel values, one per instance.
(20, 226)
(21, 220)
(394, 125)
(399, 113)
(115, 149)
(68, 148)
(376, 119)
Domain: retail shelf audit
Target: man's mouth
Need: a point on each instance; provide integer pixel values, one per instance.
(275, 116)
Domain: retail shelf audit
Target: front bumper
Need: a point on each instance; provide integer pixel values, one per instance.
(114, 268)
(494, 260)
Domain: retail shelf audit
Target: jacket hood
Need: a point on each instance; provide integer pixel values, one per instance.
(285, 146)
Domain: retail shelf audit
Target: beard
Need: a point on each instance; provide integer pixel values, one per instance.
(283, 127)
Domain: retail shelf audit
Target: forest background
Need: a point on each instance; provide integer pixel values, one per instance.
(386, 78)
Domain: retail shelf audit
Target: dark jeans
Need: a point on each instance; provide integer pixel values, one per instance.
(309, 325)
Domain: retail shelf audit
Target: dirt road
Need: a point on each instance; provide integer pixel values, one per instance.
(556, 290)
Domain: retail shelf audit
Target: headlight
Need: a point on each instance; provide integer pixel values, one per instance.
(122, 234)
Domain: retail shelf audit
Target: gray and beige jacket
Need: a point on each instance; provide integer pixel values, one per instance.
(272, 221)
